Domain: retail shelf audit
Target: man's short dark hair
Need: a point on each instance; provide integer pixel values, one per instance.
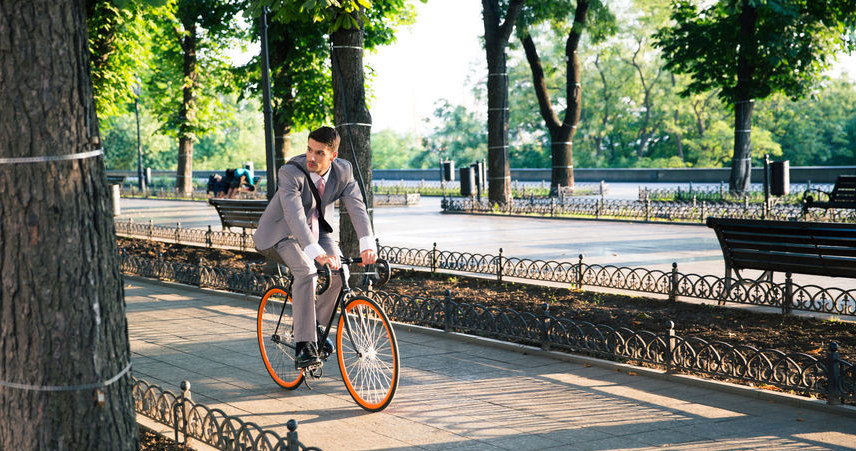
(326, 135)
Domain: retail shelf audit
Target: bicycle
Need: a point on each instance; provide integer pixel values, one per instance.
(365, 341)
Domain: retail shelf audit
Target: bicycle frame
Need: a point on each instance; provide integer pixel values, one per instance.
(344, 291)
(345, 274)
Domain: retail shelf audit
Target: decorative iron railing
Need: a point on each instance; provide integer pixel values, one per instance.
(212, 427)
(801, 373)
(645, 210)
(785, 295)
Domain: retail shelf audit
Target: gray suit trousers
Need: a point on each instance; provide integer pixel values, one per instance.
(289, 253)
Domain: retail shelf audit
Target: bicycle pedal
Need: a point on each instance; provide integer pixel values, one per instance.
(313, 367)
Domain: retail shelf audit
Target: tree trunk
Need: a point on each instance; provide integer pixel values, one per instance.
(606, 99)
(561, 134)
(679, 144)
(187, 114)
(496, 40)
(353, 121)
(281, 139)
(62, 312)
(741, 162)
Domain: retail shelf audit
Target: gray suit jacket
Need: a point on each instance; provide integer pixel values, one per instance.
(287, 213)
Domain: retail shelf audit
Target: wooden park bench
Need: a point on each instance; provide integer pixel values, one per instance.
(843, 195)
(816, 248)
(242, 213)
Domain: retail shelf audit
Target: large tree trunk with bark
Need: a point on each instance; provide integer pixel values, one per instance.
(353, 121)
(496, 40)
(741, 162)
(187, 114)
(62, 313)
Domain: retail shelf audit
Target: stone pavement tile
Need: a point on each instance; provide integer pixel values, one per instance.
(523, 442)
(830, 439)
(607, 444)
(463, 445)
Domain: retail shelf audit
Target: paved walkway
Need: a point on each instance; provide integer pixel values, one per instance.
(454, 394)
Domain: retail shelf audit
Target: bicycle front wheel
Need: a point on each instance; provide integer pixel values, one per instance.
(275, 332)
(369, 362)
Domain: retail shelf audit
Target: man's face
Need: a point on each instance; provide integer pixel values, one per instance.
(319, 157)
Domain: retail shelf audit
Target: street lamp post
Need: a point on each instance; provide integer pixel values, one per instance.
(141, 180)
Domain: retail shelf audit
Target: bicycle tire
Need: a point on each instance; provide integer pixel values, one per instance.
(276, 344)
(369, 364)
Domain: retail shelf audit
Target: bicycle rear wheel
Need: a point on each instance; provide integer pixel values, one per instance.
(370, 363)
(275, 333)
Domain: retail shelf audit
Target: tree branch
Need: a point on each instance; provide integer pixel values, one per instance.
(539, 82)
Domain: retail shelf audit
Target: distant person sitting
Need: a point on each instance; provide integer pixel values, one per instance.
(240, 178)
(216, 185)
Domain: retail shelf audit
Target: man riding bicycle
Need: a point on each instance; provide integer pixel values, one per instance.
(293, 231)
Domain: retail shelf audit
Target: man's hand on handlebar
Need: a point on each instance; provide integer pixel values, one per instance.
(368, 256)
(332, 260)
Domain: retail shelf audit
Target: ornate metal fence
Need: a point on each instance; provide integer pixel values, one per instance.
(830, 377)
(212, 427)
(805, 374)
(644, 210)
(786, 295)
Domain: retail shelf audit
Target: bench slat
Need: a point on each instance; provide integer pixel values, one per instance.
(242, 213)
(825, 249)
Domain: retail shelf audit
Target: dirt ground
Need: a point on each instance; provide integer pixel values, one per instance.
(152, 441)
(735, 326)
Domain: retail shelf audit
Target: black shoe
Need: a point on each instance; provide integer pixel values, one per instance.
(326, 348)
(306, 355)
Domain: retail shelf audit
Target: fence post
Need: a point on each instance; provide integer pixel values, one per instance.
(199, 273)
(151, 229)
(546, 321)
(703, 205)
(434, 259)
(833, 375)
(647, 209)
(178, 232)
(580, 273)
(670, 346)
(208, 241)
(180, 419)
(243, 238)
(447, 311)
(291, 436)
(499, 266)
(789, 294)
(597, 206)
(552, 206)
(673, 284)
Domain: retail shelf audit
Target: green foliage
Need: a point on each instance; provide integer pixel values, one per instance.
(458, 135)
(119, 136)
(120, 37)
(215, 32)
(817, 130)
(391, 150)
(789, 49)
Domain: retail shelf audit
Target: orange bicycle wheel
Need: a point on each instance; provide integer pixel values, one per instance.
(369, 363)
(275, 332)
